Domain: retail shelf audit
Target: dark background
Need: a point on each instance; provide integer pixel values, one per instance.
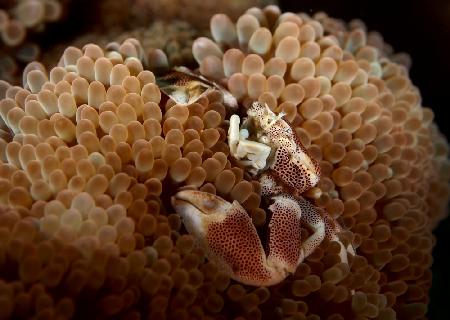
(422, 29)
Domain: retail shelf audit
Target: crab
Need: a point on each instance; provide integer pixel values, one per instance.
(185, 87)
(268, 147)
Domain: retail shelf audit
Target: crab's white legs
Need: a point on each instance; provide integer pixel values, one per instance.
(332, 228)
(233, 133)
(311, 217)
(255, 153)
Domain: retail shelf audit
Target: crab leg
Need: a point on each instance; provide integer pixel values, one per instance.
(332, 228)
(318, 219)
(311, 217)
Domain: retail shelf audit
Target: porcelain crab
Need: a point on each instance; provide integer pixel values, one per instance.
(269, 148)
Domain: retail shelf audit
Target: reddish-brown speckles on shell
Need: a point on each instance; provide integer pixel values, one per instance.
(285, 232)
(236, 241)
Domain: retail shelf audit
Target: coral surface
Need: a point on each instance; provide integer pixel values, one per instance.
(91, 152)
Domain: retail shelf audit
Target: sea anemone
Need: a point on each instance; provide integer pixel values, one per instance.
(92, 151)
(17, 20)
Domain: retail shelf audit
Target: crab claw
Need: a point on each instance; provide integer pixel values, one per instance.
(284, 230)
(291, 166)
(199, 210)
(226, 233)
(295, 170)
(288, 211)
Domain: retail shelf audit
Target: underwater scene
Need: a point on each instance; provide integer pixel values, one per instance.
(174, 159)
